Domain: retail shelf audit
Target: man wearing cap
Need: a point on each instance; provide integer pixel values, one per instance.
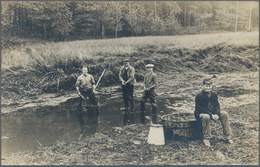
(127, 78)
(207, 108)
(150, 83)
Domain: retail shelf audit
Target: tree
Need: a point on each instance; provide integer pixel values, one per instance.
(135, 17)
(6, 21)
(202, 13)
(102, 13)
(84, 21)
(55, 16)
(225, 17)
(172, 23)
(118, 23)
(236, 17)
(250, 17)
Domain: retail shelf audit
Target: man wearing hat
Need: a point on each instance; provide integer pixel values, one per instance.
(207, 108)
(127, 78)
(150, 83)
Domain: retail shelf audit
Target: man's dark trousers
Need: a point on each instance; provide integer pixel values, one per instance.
(128, 96)
(88, 93)
(152, 96)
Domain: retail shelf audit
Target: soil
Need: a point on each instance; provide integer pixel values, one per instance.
(235, 75)
(129, 147)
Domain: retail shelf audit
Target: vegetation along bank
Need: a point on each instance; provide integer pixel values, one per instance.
(30, 70)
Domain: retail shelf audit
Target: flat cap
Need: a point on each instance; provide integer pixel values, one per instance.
(149, 66)
(126, 60)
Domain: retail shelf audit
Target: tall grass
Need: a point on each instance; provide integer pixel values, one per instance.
(64, 53)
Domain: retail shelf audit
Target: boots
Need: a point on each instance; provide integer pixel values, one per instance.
(126, 110)
(96, 108)
(154, 116)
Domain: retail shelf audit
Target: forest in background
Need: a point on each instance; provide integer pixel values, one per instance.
(77, 20)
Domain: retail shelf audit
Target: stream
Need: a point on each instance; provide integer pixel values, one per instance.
(30, 128)
(33, 127)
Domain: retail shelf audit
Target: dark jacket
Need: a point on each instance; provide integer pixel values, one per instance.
(205, 104)
(130, 74)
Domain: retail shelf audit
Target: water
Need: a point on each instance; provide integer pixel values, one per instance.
(30, 128)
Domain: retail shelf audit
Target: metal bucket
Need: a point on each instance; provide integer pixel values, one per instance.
(156, 135)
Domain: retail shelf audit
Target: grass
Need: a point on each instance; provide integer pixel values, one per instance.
(53, 67)
(65, 53)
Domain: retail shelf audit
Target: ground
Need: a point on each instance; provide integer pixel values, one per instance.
(129, 145)
(180, 71)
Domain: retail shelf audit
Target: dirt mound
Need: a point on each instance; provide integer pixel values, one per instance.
(26, 82)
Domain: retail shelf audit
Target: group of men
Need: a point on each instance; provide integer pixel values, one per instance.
(127, 78)
(207, 106)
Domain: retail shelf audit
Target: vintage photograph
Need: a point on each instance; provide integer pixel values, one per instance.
(129, 83)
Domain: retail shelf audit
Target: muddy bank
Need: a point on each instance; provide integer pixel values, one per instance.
(178, 91)
(179, 85)
(30, 82)
(180, 72)
(128, 146)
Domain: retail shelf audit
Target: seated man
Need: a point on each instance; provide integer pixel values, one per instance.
(207, 108)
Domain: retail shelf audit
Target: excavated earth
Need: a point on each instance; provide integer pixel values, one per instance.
(180, 73)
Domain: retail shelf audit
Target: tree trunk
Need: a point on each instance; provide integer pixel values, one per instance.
(185, 14)
(103, 30)
(155, 17)
(189, 22)
(116, 31)
(250, 17)
(236, 18)
(116, 20)
(44, 30)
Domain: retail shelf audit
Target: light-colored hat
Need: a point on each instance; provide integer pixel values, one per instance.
(126, 60)
(149, 66)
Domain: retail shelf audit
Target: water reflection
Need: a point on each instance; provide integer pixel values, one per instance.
(89, 126)
(49, 124)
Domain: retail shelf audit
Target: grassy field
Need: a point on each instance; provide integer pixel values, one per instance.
(64, 53)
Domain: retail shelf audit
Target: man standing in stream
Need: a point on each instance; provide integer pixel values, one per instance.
(127, 78)
(85, 86)
(207, 108)
(150, 83)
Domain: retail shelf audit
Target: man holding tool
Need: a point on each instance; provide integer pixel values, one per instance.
(207, 108)
(85, 86)
(150, 83)
(127, 78)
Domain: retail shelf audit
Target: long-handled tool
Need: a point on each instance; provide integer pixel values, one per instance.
(100, 77)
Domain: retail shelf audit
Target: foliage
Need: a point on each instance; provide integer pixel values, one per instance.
(202, 13)
(53, 15)
(59, 20)
(136, 18)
